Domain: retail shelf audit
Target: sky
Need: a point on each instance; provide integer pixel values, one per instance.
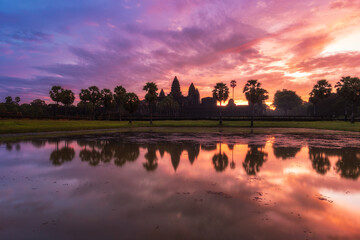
(283, 44)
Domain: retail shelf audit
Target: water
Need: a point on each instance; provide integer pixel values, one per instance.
(181, 186)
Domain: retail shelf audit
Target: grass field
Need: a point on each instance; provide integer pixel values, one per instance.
(33, 126)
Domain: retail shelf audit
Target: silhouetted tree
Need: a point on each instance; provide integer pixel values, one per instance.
(56, 95)
(107, 100)
(349, 89)
(255, 95)
(221, 94)
(92, 95)
(150, 96)
(131, 103)
(119, 97)
(10, 106)
(37, 107)
(8, 100)
(286, 100)
(320, 91)
(254, 159)
(67, 98)
(17, 100)
(331, 105)
(233, 85)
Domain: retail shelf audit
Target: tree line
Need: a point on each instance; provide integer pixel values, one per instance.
(106, 103)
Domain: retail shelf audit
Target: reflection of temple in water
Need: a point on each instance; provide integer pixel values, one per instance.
(175, 150)
(94, 152)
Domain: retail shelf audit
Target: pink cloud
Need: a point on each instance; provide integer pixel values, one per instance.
(343, 4)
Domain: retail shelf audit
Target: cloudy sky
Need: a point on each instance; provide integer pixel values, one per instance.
(282, 43)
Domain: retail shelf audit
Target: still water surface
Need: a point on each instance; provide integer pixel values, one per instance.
(181, 186)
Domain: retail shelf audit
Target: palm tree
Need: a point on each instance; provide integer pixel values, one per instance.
(232, 163)
(320, 91)
(131, 103)
(92, 95)
(254, 159)
(17, 100)
(107, 100)
(220, 161)
(255, 95)
(349, 89)
(67, 98)
(56, 95)
(119, 94)
(8, 100)
(233, 85)
(150, 96)
(221, 94)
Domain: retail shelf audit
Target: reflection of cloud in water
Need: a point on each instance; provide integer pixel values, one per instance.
(192, 203)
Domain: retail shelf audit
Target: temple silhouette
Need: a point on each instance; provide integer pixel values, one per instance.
(191, 105)
(193, 97)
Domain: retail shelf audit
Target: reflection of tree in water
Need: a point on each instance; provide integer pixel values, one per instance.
(285, 152)
(60, 156)
(9, 146)
(232, 163)
(220, 161)
(284, 148)
(254, 159)
(105, 151)
(320, 162)
(348, 164)
(90, 153)
(38, 143)
(125, 152)
(151, 159)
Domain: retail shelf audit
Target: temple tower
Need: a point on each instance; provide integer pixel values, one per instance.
(193, 95)
(175, 90)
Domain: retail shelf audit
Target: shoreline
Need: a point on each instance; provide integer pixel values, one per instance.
(10, 137)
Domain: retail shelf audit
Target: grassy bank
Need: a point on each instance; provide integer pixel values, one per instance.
(33, 126)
